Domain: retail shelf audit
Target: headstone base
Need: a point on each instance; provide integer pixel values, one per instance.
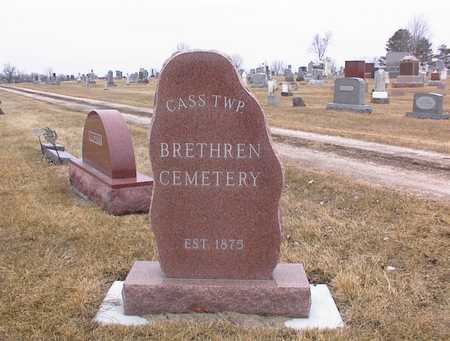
(436, 83)
(350, 107)
(147, 290)
(407, 85)
(428, 115)
(380, 97)
(115, 196)
(323, 314)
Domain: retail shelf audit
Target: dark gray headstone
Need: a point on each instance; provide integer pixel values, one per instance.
(349, 91)
(428, 105)
(349, 95)
(258, 80)
(298, 102)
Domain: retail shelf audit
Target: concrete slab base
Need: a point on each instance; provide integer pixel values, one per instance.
(323, 314)
(350, 107)
(147, 290)
(380, 100)
(426, 115)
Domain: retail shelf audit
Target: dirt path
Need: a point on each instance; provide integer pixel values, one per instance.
(88, 102)
(373, 163)
(429, 183)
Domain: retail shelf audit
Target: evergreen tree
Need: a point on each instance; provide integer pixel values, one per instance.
(399, 42)
(423, 51)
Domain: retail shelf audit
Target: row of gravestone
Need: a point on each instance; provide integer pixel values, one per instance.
(349, 94)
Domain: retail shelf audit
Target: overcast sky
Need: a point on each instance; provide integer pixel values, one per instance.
(72, 36)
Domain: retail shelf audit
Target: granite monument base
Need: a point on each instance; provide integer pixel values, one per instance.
(380, 97)
(436, 83)
(147, 290)
(407, 85)
(404, 81)
(428, 115)
(364, 108)
(115, 196)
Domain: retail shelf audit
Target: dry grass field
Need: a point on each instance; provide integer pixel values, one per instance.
(59, 255)
(387, 124)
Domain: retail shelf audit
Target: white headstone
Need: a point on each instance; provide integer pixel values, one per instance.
(271, 88)
(380, 81)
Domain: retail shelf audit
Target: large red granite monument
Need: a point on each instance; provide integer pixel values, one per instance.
(215, 205)
(107, 174)
(410, 76)
(355, 68)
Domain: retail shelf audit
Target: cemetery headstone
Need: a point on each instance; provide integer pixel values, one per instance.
(298, 102)
(369, 70)
(142, 76)
(244, 78)
(272, 98)
(219, 239)
(435, 79)
(110, 79)
(380, 95)
(288, 75)
(258, 80)
(107, 174)
(435, 76)
(260, 69)
(349, 95)
(301, 74)
(285, 91)
(409, 74)
(1, 111)
(355, 68)
(119, 74)
(428, 105)
(132, 78)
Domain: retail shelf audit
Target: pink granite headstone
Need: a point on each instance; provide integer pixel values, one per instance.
(215, 205)
(106, 174)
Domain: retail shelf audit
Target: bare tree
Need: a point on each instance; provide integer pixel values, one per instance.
(278, 66)
(181, 47)
(237, 61)
(10, 72)
(419, 29)
(320, 44)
